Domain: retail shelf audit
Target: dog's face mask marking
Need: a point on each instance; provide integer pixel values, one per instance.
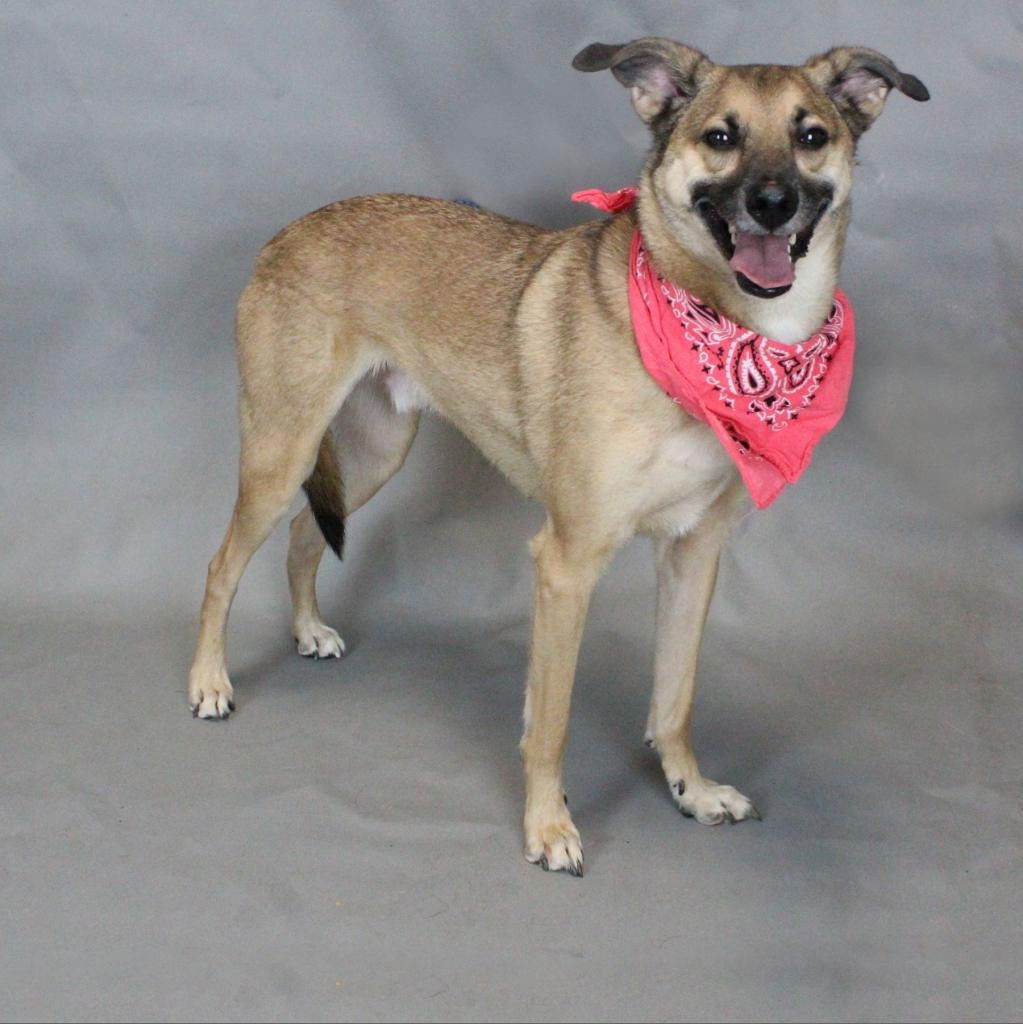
(749, 161)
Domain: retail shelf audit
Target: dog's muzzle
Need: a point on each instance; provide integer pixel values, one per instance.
(756, 246)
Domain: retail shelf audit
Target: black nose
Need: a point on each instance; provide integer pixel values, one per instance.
(772, 203)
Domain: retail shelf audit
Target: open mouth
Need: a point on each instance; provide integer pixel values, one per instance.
(764, 265)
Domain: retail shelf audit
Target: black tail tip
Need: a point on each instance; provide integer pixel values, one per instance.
(330, 521)
(332, 526)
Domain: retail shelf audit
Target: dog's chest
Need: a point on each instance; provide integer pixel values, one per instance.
(687, 471)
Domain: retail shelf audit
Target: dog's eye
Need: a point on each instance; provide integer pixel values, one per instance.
(813, 138)
(718, 138)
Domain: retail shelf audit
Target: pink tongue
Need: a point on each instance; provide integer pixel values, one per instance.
(764, 259)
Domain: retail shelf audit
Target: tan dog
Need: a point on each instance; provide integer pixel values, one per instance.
(368, 310)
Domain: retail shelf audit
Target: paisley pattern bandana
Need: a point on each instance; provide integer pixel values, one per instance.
(769, 403)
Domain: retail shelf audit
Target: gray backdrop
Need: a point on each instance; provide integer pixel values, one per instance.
(347, 846)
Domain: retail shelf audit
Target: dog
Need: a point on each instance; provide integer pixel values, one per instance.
(362, 314)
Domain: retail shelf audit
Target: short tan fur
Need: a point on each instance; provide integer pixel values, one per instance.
(365, 312)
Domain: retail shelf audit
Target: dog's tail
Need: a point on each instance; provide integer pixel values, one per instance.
(325, 492)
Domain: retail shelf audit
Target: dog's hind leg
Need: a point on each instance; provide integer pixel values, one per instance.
(370, 439)
(315, 639)
(295, 372)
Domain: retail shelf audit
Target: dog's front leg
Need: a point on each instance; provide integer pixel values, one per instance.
(566, 570)
(686, 573)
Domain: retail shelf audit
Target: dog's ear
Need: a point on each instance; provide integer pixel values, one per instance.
(662, 75)
(858, 82)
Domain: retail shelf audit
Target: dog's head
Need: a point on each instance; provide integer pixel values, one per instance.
(749, 161)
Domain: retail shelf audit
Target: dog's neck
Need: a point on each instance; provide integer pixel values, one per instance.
(698, 268)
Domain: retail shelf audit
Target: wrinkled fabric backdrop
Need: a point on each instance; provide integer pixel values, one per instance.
(347, 846)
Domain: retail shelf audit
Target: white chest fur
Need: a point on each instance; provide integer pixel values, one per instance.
(688, 471)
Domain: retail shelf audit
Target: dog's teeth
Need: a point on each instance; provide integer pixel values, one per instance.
(731, 232)
(792, 239)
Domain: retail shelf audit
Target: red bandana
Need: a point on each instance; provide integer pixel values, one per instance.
(769, 403)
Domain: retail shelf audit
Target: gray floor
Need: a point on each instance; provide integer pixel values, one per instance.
(347, 846)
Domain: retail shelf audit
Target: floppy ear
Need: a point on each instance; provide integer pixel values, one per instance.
(858, 82)
(662, 75)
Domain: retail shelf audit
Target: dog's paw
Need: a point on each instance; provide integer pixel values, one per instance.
(711, 804)
(210, 696)
(317, 640)
(555, 846)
